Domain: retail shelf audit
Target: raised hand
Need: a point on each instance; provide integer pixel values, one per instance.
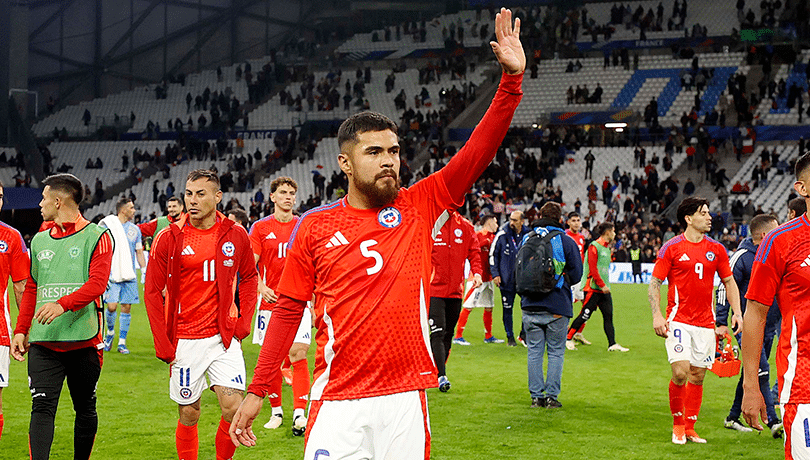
(508, 48)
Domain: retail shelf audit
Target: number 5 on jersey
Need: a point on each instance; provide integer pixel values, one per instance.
(371, 254)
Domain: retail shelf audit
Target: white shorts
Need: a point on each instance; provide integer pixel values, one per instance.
(691, 343)
(577, 293)
(5, 360)
(482, 296)
(795, 418)
(390, 426)
(197, 357)
(304, 334)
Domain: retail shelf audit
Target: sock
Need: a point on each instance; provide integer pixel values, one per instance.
(462, 322)
(187, 441)
(110, 316)
(571, 333)
(123, 327)
(676, 405)
(581, 328)
(300, 384)
(692, 401)
(224, 446)
(275, 392)
(1, 426)
(487, 323)
(298, 413)
(276, 410)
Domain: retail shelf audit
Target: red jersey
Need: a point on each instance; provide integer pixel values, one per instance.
(484, 243)
(15, 263)
(782, 269)
(197, 312)
(454, 243)
(690, 269)
(579, 239)
(269, 239)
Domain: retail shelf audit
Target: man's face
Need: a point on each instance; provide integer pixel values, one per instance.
(491, 225)
(609, 235)
(128, 211)
(701, 220)
(284, 197)
(575, 224)
(174, 208)
(516, 221)
(235, 219)
(372, 165)
(202, 197)
(49, 204)
(1, 197)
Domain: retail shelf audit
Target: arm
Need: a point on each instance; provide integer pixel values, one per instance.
(19, 345)
(733, 296)
(19, 288)
(141, 258)
(753, 406)
(474, 256)
(593, 268)
(148, 228)
(495, 259)
(248, 284)
(153, 298)
(654, 296)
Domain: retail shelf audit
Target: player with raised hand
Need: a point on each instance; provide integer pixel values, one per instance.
(689, 262)
(367, 259)
(270, 238)
(782, 269)
(196, 325)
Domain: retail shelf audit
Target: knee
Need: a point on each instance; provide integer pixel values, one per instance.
(43, 404)
(189, 415)
(679, 376)
(298, 352)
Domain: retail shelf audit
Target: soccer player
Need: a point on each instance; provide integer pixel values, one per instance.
(174, 208)
(367, 259)
(123, 286)
(483, 295)
(197, 327)
(270, 238)
(782, 269)
(15, 263)
(239, 216)
(502, 257)
(574, 230)
(453, 243)
(59, 324)
(689, 261)
(597, 288)
(741, 263)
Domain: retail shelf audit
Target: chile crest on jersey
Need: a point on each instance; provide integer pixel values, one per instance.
(710, 256)
(389, 217)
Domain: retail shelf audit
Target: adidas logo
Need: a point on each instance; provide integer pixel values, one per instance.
(806, 262)
(187, 251)
(684, 258)
(237, 379)
(337, 240)
(271, 236)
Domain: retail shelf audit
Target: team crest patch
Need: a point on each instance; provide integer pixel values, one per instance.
(678, 348)
(710, 256)
(3, 247)
(389, 217)
(228, 249)
(47, 254)
(458, 232)
(74, 252)
(185, 393)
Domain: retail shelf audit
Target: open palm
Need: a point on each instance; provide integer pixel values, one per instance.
(508, 48)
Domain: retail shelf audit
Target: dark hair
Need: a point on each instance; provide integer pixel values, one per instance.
(759, 222)
(361, 123)
(603, 227)
(66, 183)
(241, 216)
(551, 210)
(123, 201)
(690, 206)
(798, 206)
(174, 198)
(283, 180)
(573, 214)
(206, 174)
(801, 164)
(487, 217)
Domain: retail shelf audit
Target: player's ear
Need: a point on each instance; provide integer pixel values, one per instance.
(344, 163)
(801, 188)
(218, 196)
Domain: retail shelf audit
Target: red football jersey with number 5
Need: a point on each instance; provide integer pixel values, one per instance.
(690, 268)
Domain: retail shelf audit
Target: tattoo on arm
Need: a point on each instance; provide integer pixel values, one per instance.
(654, 294)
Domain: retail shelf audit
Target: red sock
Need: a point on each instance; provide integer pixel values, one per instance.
(571, 333)
(225, 447)
(581, 328)
(692, 401)
(487, 323)
(274, 396)
(286, 363)
(676, 402)
(300, 384)
(462, 322)
(187, 441)
(1, 425)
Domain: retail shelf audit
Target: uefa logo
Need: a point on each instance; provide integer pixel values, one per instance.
(228, 249)
(389, 217)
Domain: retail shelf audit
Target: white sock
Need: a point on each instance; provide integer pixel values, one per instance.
(122, 341)
(278, 411)
(298, 412)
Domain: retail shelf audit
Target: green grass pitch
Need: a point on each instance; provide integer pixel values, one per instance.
(615, 404)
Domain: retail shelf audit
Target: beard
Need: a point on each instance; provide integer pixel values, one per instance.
(381, 194)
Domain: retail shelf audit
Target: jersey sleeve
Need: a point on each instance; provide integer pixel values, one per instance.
(22, 261)
(723, 263)
(298, 278)
(766, 273)
(662, 264)
(473, 248)
(138, 239)
(256, 235)
(148, 228)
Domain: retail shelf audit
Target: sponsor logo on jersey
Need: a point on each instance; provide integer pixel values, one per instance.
(684, 258)
(3, 247)
(228, 263)
(389, 217)
(46, 254)
(459, 240)
(186, 393)
(187, 251)
(678, 348)
(710, 256)
(337, 240)
(228, 249)
(806, 262)
(271, 236)
(74, 252)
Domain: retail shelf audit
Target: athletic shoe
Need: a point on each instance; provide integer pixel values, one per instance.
(299, 426)
(678, 434)
(462, 341)
(523, 342)
(492, 339)
(444, 384)
(276, 420)
(286, 372)
(510, 342)
(692, 436)
(123, 349)
(734, 424)
(108, 342)
(538, 402)
(777, 429)
(552, 403)
(617, 347)
(569, 344)
(581, 338)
